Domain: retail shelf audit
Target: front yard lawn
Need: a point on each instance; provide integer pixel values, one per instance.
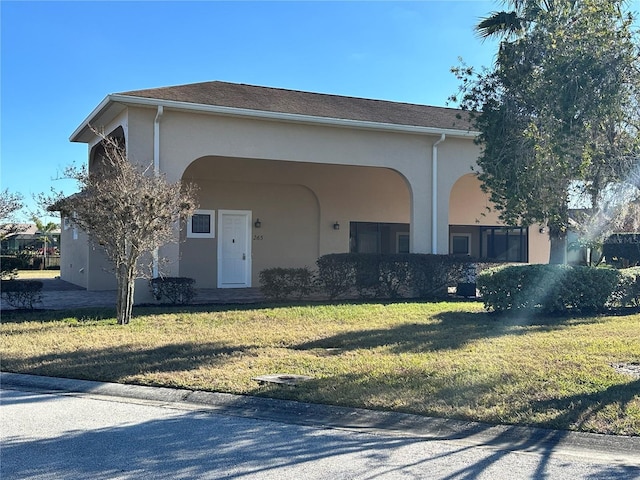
(440, 359)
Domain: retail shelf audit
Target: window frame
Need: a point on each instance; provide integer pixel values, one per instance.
(212, 225)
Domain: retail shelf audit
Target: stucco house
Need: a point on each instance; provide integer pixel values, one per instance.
(287, 176)
(16, 238)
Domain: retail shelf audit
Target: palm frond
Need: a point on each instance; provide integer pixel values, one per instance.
(502, 24)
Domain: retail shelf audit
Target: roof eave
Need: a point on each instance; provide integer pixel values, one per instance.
(106, 110)
(276, 116)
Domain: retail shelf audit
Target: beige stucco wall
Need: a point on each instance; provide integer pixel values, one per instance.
(270, 167)
(73, 262)
(297, 205)
(185, 137)
(83, 264)
(469, 205)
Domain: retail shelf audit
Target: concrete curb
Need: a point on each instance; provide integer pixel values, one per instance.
(595, 448)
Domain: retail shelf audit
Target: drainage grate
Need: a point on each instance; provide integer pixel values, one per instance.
(282, 379)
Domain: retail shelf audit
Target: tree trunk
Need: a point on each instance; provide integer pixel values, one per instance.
(126, 290)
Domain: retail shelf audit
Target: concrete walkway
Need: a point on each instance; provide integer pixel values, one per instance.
(60, 295)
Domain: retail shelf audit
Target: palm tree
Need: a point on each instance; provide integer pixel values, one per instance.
(512, 24)
(45, 230)
(502, 24)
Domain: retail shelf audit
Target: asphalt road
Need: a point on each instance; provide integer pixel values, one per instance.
(118, 432)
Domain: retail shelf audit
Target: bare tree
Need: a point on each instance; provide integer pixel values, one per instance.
(9, 204)
(126, 210)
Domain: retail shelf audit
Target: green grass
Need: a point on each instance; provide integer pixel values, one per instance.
(440, 359)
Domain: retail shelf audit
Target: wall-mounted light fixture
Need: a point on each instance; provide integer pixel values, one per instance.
(336, 226)
(542, 230)
(257, 223)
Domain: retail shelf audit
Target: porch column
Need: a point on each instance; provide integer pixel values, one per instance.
(420, 230)
(443, 219)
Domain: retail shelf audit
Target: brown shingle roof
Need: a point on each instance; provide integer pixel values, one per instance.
(279, 100)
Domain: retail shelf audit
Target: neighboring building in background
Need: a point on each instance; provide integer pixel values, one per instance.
(287, 176)
(27, 242)
(27, 238)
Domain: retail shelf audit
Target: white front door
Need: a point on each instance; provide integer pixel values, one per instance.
(234, 248)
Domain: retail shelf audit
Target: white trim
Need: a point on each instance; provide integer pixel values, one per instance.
(266, 115)
(156, 140)
(434, 194)
(247, 255)
(212, 225)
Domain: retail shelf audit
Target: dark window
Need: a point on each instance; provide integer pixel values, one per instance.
(201, 223)
(374, 237)
(460, 244)
(505, 244)
(403, 243)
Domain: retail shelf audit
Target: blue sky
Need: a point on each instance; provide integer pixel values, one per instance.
(60, 59)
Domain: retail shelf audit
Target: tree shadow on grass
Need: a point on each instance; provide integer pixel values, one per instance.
(116, 363)
(450, 330)
(576, 411)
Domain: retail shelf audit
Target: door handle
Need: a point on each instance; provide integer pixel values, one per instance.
(244, 257)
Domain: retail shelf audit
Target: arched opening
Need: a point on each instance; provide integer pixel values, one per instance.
(475, 229)
(299, 211)
(97, 154)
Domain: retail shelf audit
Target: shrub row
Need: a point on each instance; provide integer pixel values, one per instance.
(21, 293)
(367, 276)
(388, 275)
(9, 266)
(627, 293)
(173, 290)
(549, 288)
(283, 283)
(545, 288)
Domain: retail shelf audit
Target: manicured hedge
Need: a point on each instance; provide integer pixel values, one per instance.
(351, 275)
(388, 275)
(173, 290)
(21, 293)
(10, 264)
(548, 288)
(286, 283)
(627, 292)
